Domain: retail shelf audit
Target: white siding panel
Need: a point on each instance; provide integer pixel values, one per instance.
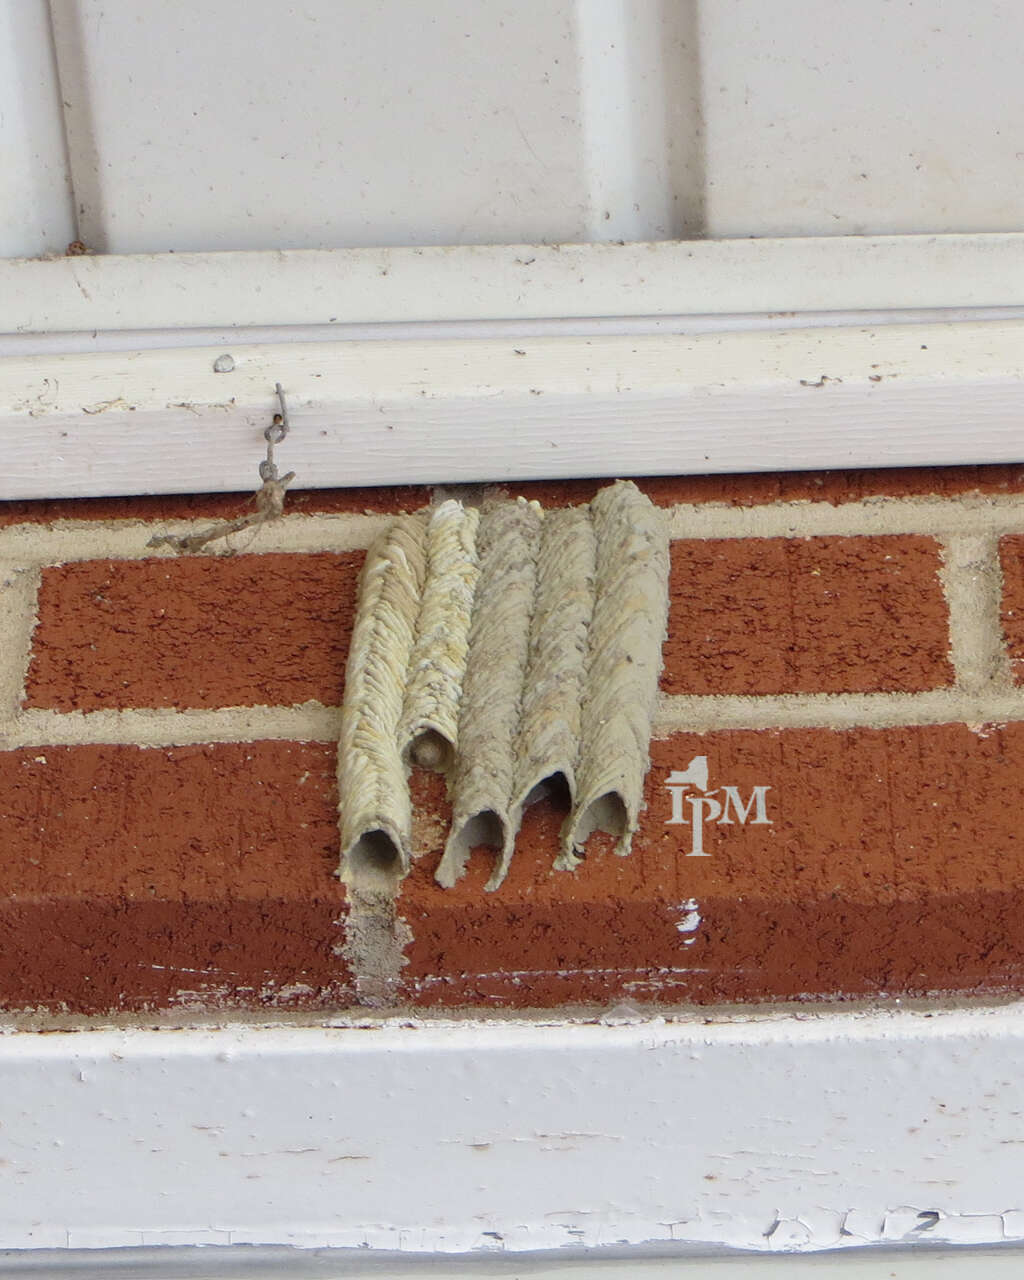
(35, 195)
(250, 124)
(829, 117)
(243, 124)
(640, 105)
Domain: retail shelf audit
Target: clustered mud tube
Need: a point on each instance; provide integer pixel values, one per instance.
(515, 650)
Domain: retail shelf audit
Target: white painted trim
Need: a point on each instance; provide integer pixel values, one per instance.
(635, 361)
(366, 413)
(254, 1262)
(508, 282)
(81, 343)
(790, 1131)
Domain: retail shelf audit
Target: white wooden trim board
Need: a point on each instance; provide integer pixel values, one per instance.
(275, 1262)
(446, 365)
(789, 1131)
(506, 282)
(449, 411)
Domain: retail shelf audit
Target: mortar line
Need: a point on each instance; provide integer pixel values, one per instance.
(93, 540)
(19, 600)
(676, 713)
(170, 727)
(932, 517)
(995, 514)
(686, 713)
(972, 581)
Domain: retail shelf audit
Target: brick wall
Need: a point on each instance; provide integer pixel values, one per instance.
(845, 655)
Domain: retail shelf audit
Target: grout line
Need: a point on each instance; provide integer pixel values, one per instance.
(973, 583)
(677, 713)
(685, 713)
(19, 594)
(930, 517)
(978, 514)
(71, 540)
(169, 727)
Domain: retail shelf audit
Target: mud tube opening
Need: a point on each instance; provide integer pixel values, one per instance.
(607, 813)
(432, 750)
(555, 788)
(375, 856)
(483, 828)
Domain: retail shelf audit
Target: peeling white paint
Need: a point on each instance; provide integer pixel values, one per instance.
(690, 921)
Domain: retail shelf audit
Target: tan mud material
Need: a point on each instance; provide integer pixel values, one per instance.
(428, 733)
(623, 665)
(549, 733)
(499, 646)
(373, 793)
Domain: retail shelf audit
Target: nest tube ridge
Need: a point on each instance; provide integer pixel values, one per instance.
(624, 660)
(373, 795)
(489, 713)
(428, 732)
(549, 733)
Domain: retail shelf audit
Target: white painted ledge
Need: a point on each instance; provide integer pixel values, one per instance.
(247, 1262)
(787, 1132)
(366, 413)
(506, 282)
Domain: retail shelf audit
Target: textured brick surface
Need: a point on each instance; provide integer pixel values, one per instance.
(134, 879)
(1011, 556)
(748, 616)
(818, 615)
(892, 864)
(196, 632)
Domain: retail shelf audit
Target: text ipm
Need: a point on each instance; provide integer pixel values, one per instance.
(689, 790)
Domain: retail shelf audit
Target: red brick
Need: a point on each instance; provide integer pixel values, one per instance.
(794, 615)
(1011, 555)
(196, 632)
(135, 879)
(893, 864)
